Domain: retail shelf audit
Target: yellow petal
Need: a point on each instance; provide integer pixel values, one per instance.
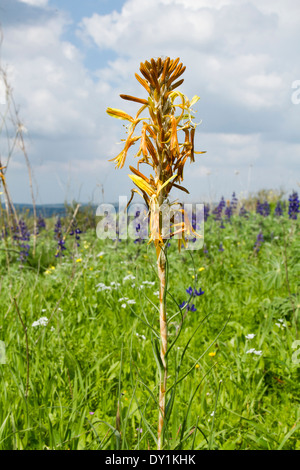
(119, 114)
(142, 184)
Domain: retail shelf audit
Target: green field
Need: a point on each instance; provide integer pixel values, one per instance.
(86, 376)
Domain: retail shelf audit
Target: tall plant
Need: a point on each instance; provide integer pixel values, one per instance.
(160, 150)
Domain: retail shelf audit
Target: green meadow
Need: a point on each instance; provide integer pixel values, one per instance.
(80, 337)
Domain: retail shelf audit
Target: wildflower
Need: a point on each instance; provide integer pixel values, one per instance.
(129, 277)
(41, 224)
(75, 231)
(79, 260)
(102, 287)
(160, 149)
(60, 239)
(221, 247)
(234, 201)
(281, 324)
(206, 212)
(101, 254)
(212, 354)
(278, 209)
(259, 241)
(201, 269)
(243, 212)
(22, 236)
(253, 351)
(199, 292)
(141, 336)
(294, 205)
(43, 321)
(139, 430)
(92, 412)
(212, 414)
(149, 283)
(197, 366)
(250, 336)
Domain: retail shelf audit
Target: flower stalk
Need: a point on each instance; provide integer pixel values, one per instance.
(162, 152)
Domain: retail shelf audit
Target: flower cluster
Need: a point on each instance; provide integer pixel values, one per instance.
(243, 212)
(75, 231)
(278, 209)
(40, 224)
(259, 241)
(263, 208)
(194, 292)
(22, 236)
(60, 239)
(43, 321)
(294, 205)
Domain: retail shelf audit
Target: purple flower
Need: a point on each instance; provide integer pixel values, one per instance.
(278, 209)
(294, 205)
(259, 241)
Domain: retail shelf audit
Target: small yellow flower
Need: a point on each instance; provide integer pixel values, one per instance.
(193, 277)
(52, 267)
(201, 269)
(78, 260)
(91, 269)
(47, 272)
(197, 366)
(212, 354)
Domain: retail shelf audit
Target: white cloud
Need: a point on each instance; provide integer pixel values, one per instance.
(35, 3)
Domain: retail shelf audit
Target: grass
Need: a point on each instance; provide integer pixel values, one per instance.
(93, 379)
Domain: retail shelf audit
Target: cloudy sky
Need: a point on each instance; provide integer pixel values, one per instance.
(68, 60)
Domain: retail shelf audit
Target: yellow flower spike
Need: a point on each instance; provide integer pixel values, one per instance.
(162, 150)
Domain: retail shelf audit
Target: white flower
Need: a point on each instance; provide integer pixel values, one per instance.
(101, 253)
(250, 336)
(115, 284)
(212, 414)
(123, 305)
(156, 292)
(149, 283)
(129, 277)
(253, 351)
(131, 301)
(141, 336)
(43, 321)
(102, 287)
(123, 298)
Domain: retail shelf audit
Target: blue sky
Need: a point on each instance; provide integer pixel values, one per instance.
(68, 60)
